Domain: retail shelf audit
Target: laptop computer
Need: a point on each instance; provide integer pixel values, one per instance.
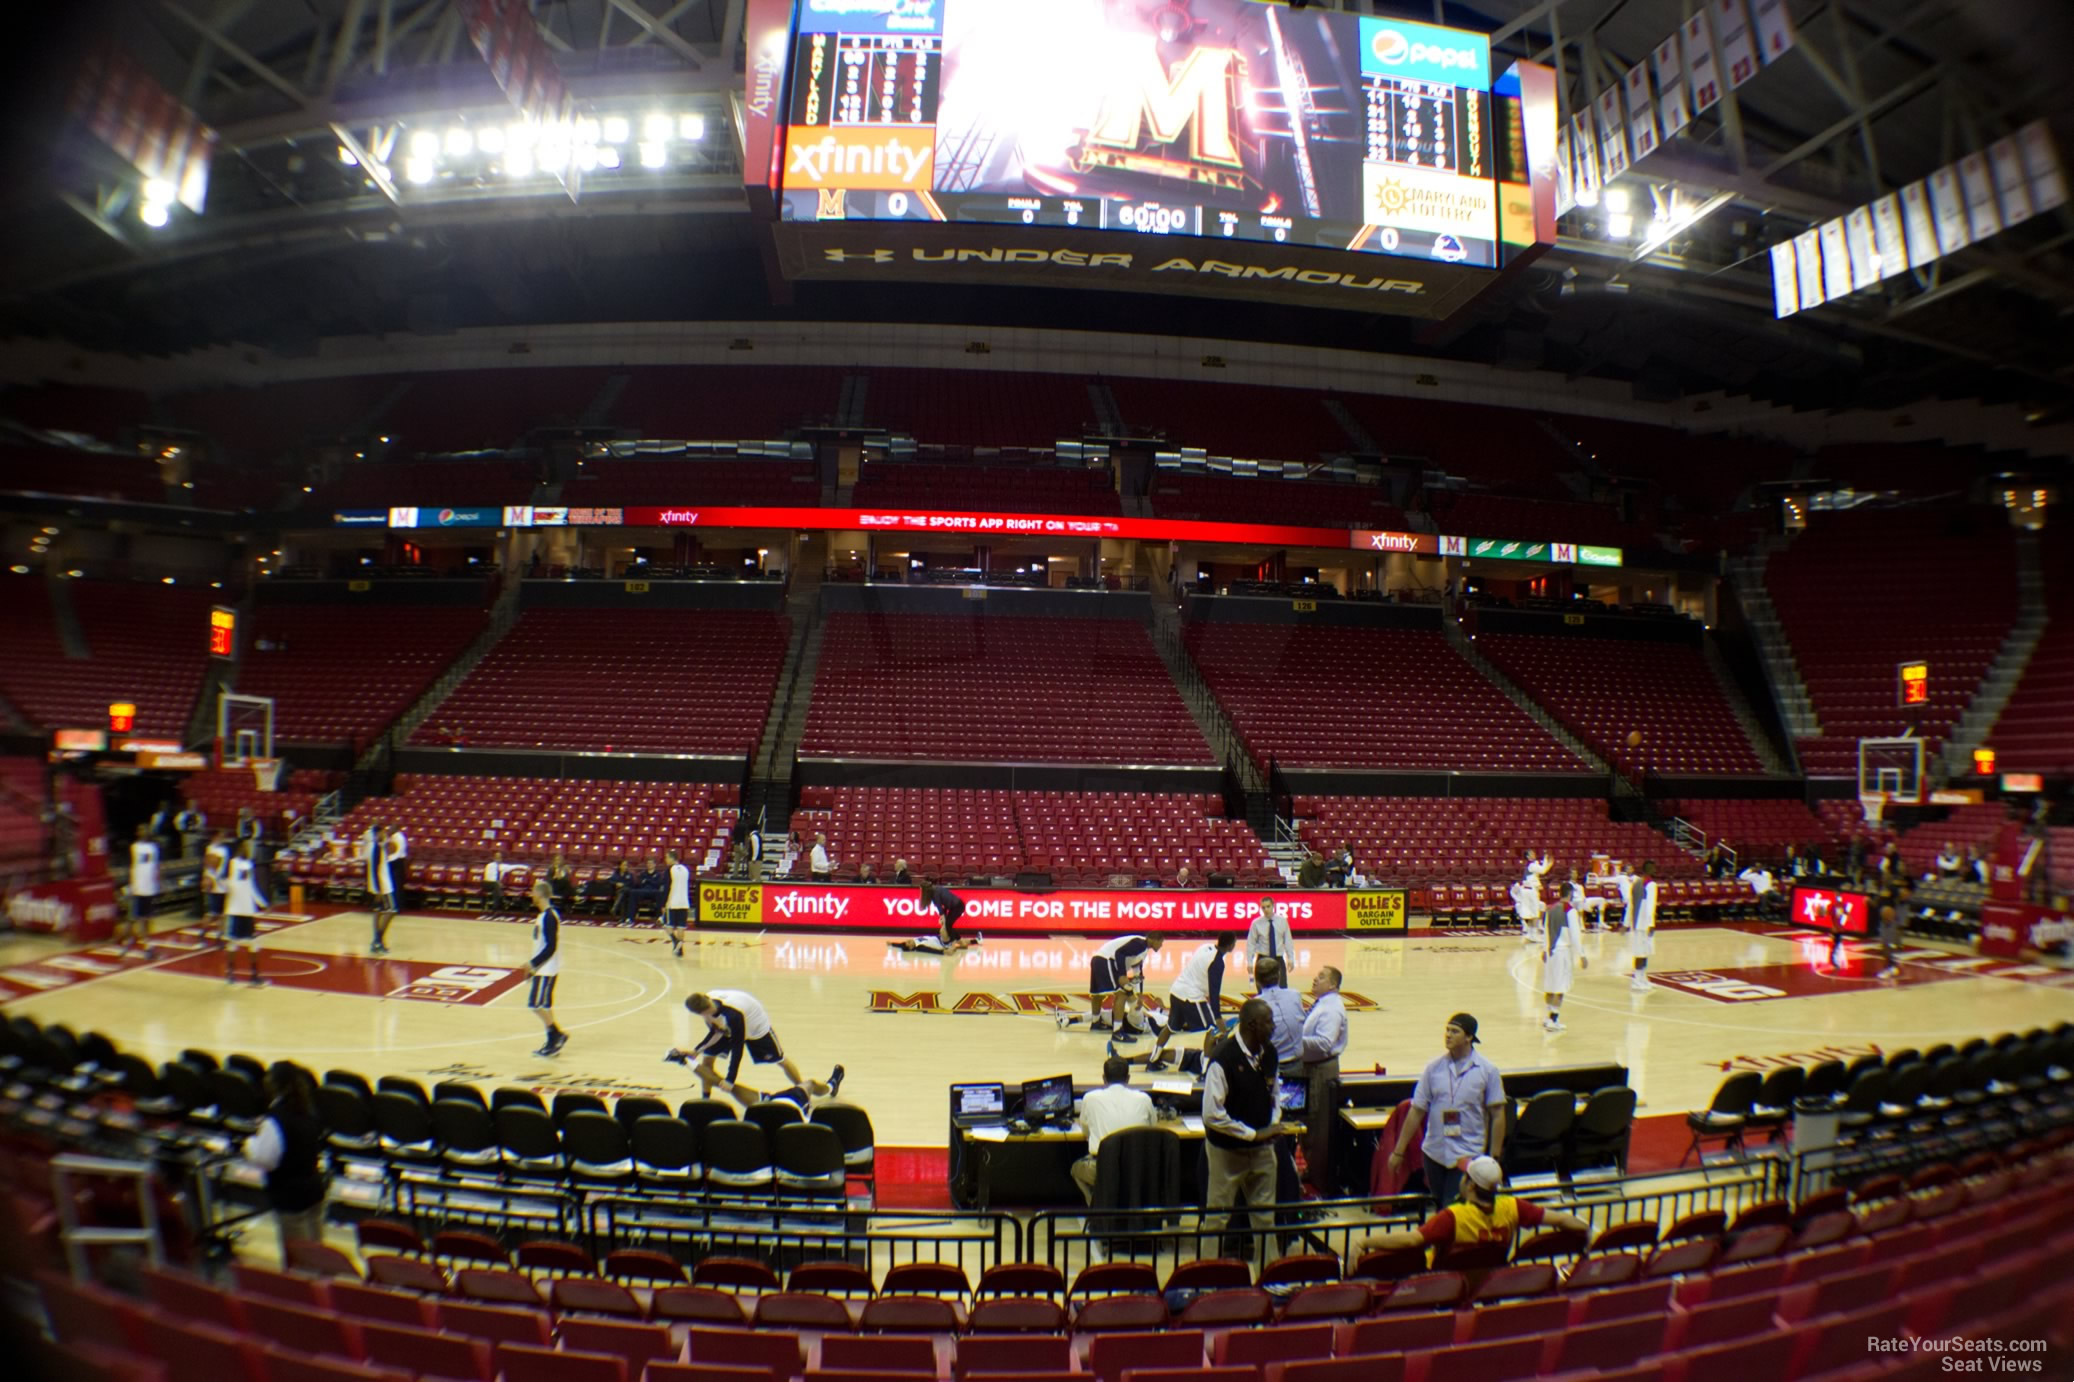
(978, 1105)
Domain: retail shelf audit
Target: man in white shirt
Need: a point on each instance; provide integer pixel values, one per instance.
(143, 892)
(493, 881)
(1269, 935)
(1528, 906)
(820, 867)
(1324, 1039)
(1113, 1107)
(1758, 879)
(677, 906)
(215, 881)
(1949, 864)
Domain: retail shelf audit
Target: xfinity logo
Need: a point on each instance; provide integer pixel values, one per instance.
(812, 905)
(1996, 931)
(1393, 542)
(679, 517)
(39, 911)
(822, 160)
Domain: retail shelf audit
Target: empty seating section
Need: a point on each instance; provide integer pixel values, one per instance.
(730, 483)
(346, 672)
(1079, 838)
(1967, 827)
(735, 403)
(2035, 732)
(271, 423)
(690, 681)
(148, 645)
(1231, 419)
(1012, 689)
(1415, 840)
(485, 410)
(1369, 698)
(1007, 488)
(1756, 830)
(378, 484)
(462, 820)
(1858, 593)
(90, 474)
(22, 836)
(1601, 689)
(1501, 447)
(983, 408)
(1298, 503)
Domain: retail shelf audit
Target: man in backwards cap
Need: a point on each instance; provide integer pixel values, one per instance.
(1481, 1215)
(1460, 1105)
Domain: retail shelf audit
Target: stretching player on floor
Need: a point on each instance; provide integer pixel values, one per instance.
(1194, 1003)
(1115, 976)
(545, 967)
(949, 907)
(736, 1023)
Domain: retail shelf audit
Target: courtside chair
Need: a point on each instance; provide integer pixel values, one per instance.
(1725, 1116)
(809, 1162)
(737, 1160)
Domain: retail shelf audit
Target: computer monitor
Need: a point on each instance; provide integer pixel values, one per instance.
(1048, 1098)
(979, 1100)
(1295, 1093)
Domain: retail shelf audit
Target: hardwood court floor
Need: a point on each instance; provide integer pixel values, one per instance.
(450, 1003)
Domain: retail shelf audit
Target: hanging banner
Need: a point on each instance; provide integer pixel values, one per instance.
(1670, 87)
(1865, 260)
(1585, 148)
(1979, 186)
(1836, 260)
(1699, 63)
(1887, 238)
(1641, 112)
(2010, 185)
(1948, 208)
(1565, 175)
(1613, 135)
(2042, 162)
(1774, 29)
(766, 41)
(124, 107)
(1807, 256)
(1785, 280)
(1732, 30)
(1922, 231)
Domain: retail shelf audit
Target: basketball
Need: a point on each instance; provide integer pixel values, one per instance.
(1634, 738)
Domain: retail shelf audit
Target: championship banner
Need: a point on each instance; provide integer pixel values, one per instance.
(121, 105)
(864, 907)
(1378, 911)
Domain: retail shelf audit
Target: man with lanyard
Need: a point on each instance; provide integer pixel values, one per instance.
(1459, 1107)
(1269, 935)
(1241, 1119)
(1481, 1215)
(1324, 1039)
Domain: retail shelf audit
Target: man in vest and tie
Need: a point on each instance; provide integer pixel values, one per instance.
(1241, 1120)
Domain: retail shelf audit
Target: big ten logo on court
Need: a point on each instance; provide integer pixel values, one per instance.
(730, 904)
(1814, 1056)
(937, 1003)
(1376, 911)
(458, 984)
(1722, 988)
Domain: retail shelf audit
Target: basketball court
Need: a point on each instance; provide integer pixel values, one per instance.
(448, 1003)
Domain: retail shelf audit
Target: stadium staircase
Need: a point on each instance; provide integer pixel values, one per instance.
(1108, 417)
(769, 799)
(504, 613)
(1780, 668)
(598, 412)
(71, 633)
(1359, 435)
(1217, 728)
(1760, 742)
(2007, 669)
(1463, 645)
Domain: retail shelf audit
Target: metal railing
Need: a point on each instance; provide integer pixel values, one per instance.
(520, 1211)
(784, 1234)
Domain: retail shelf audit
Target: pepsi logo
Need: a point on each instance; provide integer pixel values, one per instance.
(1391, 47)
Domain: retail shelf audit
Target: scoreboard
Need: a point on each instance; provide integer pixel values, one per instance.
(1221, 119)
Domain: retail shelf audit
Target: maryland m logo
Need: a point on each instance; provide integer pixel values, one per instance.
(1194, 99)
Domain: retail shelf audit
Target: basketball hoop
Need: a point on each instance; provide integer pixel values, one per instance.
(1874, 805)
(266, 772)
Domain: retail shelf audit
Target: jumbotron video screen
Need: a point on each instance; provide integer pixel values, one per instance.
(1215, 118)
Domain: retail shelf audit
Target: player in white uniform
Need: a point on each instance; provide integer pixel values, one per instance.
(241, 906)
(1624, 884)
(545, 966)
(1642, 923)
(1195, 1002)
(135, 929)
(677, 906)
(374, 853)
(736, 1024)
(1528, 906)
(215, 881)
(1561, 958)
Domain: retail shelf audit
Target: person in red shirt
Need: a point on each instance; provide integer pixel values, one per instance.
(1481, 1215)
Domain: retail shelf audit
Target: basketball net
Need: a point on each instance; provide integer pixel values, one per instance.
(266, 773)
(1874, 804)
